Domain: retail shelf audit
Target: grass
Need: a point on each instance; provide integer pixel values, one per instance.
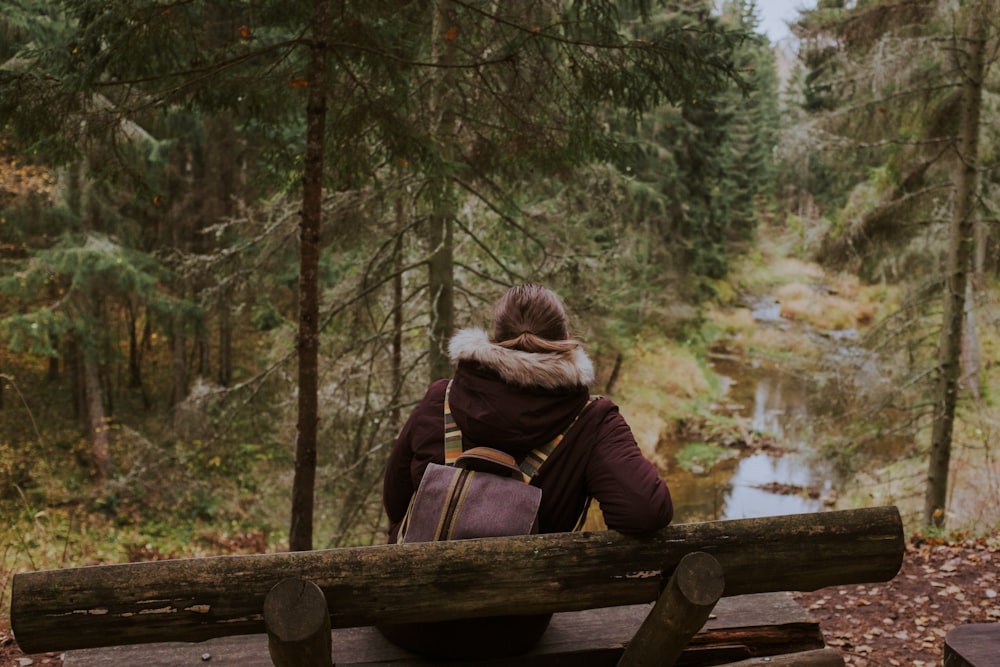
(699, 457)
(44, 537)
(167, 498)
(661, 381)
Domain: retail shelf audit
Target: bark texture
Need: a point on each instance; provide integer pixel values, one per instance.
(300, 533)
(200, 598)
(440, 234)
(298, 626)
(961, 243)
(100, 444)
(680, 612)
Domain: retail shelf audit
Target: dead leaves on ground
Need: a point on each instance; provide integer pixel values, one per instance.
(904, 621)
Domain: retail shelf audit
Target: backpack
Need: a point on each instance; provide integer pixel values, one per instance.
(481, 492)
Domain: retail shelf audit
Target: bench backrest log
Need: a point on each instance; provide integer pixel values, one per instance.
(201, 598)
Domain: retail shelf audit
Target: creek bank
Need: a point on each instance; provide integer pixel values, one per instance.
(838, 394)
(752, 452)
(782, 360)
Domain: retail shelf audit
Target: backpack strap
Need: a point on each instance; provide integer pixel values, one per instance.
(531, 464)
(452, 434)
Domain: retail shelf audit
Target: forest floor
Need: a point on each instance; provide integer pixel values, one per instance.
(904, 621)
(942, 584)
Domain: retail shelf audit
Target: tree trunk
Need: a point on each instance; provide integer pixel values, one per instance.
(74, 369)
(199, 598)
(202, 346)
(100, 447)
(971, 355)
(224, 173)
(300, 535)
(134, 348)
(960, 254)
(440, 237)
(225, 342)
(53, 374)
(395, 417)
(441, 282)
(178, 344)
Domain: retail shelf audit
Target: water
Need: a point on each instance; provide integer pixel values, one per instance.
(782, 477)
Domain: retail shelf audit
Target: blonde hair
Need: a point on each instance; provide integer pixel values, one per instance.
(532, 318)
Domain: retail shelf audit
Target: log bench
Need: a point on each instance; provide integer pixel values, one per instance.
(972, 645)
(618, 600)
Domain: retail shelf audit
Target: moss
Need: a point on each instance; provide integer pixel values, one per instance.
(701, 456)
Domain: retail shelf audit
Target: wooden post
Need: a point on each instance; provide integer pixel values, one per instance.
(680, 611)
(298, 624)
(200, 598)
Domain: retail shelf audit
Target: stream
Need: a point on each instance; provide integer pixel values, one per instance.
(785, 477)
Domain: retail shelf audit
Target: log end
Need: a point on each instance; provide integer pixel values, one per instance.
(700, 578)
(295, 610)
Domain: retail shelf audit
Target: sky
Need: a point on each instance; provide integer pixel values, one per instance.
(774, 14)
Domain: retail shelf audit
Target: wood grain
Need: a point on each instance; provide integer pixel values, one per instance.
(682, 609)
(201, 598)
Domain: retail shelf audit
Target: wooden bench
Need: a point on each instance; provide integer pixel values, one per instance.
(598, 583)
(972, 645)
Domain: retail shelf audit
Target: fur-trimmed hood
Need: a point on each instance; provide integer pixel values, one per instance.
(551, 370)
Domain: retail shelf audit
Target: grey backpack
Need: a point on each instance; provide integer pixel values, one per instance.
(481, 492)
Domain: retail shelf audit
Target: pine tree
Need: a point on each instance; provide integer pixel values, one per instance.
(892, 93)
(515, 87)
(68, 290)
(961, 241)
(699, 166)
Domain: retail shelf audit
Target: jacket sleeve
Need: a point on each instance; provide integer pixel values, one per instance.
(420, 441)
(633, 497)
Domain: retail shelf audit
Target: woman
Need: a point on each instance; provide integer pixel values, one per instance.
(514, 391)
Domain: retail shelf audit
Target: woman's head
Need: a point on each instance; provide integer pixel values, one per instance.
(531, 318)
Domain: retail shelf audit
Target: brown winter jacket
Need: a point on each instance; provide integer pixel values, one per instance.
(515, 401)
